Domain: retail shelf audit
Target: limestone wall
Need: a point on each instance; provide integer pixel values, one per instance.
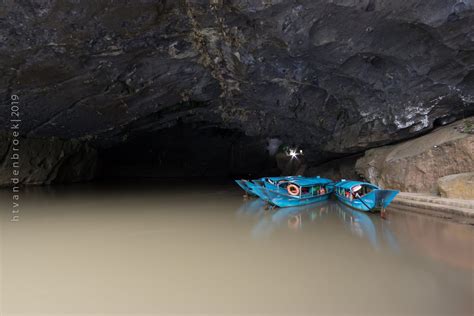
(417, 164)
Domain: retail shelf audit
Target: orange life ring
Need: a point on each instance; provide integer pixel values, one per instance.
(293, 189)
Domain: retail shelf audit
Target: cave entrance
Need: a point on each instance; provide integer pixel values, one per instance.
(189, 150)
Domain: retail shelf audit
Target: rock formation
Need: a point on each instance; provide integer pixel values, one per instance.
(334, 77)
(457, 186)
(417, 164)
(46, 161)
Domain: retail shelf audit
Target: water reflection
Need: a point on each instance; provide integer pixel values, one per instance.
(359, 223)
(443, 241)
(295, 218)
(270, 219)
(253, 207)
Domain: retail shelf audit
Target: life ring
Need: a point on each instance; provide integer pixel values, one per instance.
(293, 189)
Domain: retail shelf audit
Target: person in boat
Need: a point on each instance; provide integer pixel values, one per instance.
(349, 195)
(322, 191)
(357, 192)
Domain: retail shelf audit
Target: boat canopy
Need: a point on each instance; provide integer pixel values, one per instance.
(348, 185)
(274, 180)
(304, 182)
(283, 178)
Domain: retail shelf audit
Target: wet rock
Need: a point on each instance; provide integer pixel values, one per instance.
(417, 164)
(457, 186)
(46, 161)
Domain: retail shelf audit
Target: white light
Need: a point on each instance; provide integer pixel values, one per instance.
(294, 153)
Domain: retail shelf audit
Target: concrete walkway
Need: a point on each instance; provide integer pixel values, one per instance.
(454, 209)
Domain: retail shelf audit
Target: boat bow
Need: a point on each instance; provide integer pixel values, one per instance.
(379, 199)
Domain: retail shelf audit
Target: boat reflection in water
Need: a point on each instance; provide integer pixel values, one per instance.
(442, 241)
(369, 226)
(271, 219)
(359, 224)
(363, 225)
(252, 207)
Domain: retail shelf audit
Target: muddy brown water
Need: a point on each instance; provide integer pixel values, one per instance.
(154, 249)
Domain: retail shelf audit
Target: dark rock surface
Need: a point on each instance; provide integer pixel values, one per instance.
(335, 77)
(46, 161)
(337, 169)
(189, 151)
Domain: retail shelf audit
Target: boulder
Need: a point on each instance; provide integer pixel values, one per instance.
(457, 186)
(46, 160)
(417, 164)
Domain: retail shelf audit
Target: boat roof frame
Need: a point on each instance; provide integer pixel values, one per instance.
(349, 184)
(305, 182)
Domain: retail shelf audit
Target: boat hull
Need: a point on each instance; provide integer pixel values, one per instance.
(280, 200)
(246, 186)
(249, 186)
(260, 190)
(275, 192)
(372, 202)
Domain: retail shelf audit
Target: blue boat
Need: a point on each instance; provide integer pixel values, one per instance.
(296, 192)
(247, 186)
(363, 196)
(250, 186)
